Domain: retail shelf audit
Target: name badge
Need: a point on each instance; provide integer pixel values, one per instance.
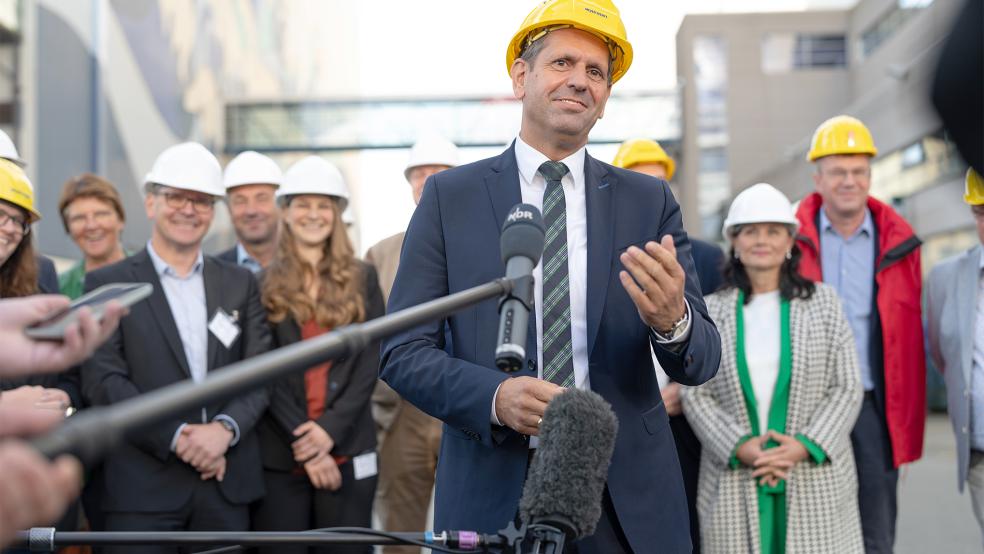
(364, 466)
(224, 327)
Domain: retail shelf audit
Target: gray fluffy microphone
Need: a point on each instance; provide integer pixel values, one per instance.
(521, 245)
(568, 473)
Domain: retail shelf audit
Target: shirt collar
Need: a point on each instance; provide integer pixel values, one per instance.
(529, 159)
(163, 268)
(242, 256)
(867, 226)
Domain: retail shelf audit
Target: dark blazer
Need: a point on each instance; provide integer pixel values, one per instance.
(145, 354)
(229, 256)
(348, 412)
(453, 244)
(709, 262)
(47, 276)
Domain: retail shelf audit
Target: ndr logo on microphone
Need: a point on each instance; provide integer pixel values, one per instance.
(519, 214)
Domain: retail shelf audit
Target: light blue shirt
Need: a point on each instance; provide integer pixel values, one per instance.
(849, 266)
(245, 260)
(186, 299)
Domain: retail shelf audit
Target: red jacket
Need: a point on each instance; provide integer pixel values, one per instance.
(898, 282)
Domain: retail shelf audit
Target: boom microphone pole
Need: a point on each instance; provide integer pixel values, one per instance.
(89, 434)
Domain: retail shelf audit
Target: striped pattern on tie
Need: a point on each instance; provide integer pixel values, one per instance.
(558, 352)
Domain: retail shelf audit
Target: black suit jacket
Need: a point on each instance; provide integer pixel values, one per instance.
(229, 256)
(47, 276)
(348, 415)
(709, 262)
(145, 354)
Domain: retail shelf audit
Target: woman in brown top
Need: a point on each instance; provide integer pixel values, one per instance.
(318, 437)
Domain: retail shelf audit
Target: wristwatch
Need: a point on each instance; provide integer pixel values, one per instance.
(675, 331)
(225, 423)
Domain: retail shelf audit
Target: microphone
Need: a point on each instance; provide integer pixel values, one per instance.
(521, 245)
(562, 495)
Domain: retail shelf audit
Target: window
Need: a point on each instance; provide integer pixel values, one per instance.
(786, 52)
(885, 27)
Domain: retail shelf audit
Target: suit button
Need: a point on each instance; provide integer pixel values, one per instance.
(531, 364)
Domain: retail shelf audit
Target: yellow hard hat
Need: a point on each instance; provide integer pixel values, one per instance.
(974, 190)
(841, 134)
(598, 17)
(641, 151)
(16, 188)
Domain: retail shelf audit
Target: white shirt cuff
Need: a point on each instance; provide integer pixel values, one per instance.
(493, 418)
(174, 440)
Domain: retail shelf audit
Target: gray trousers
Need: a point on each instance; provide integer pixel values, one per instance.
(975, 483)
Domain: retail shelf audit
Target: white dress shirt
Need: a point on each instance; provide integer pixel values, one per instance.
(762, 337)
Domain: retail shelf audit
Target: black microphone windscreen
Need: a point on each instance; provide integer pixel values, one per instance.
(569, 470)
(522, 234)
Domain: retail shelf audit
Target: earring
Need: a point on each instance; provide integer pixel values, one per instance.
(789, 254)
(737, 255)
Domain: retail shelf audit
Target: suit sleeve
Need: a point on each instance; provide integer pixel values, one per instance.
(414, 362)
(341, 418)
(247, 408)
(106, 380)
(696, 360)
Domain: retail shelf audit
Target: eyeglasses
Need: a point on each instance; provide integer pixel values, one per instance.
(177, 201)
(21, 224)
(839, 174)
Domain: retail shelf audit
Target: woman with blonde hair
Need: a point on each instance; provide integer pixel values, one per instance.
(318, 437)
(777, 472)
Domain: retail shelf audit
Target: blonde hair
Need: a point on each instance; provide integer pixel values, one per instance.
(340, 296)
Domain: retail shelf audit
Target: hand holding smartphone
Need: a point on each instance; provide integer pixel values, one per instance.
(53, 327)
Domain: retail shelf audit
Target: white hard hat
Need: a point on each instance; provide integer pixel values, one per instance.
(9, 151)
(187, 166)
(431, 150)
(251, 168)
(314, 175)
(759, 203)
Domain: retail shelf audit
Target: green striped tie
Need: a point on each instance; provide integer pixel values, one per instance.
(558, 353)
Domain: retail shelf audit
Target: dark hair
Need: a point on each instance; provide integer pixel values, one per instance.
(19, 272)
(791, 283)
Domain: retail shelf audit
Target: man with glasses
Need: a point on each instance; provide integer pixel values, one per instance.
(199, 471)
(866, 251)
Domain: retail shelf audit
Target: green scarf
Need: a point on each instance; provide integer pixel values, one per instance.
(771, 499)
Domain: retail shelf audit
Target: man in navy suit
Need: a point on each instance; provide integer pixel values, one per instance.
(621, 279)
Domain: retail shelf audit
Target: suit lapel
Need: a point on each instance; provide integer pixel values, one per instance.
(502, 184)
(967, 286)
(143, 271)
(599, 189)
(213, 300)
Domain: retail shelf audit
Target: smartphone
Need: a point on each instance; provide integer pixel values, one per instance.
(53, 327)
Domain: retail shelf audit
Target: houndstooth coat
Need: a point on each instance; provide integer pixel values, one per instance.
(825, 397)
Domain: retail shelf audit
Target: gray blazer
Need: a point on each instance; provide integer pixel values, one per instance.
(951, 301)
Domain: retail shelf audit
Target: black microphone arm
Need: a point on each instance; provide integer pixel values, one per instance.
(92, 432)
(48, 539)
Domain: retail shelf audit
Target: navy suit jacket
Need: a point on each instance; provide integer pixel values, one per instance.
(452, 244)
